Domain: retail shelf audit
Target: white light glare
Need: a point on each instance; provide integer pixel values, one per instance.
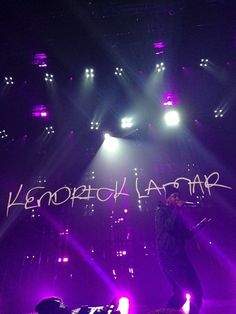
(107, 136)
(160, 67)
(48, 77)
(123, 306)
(49, 129)
(204, 62)
(172, 118)
(119, 71)
(110, 143)
(3, 134)
(219, 113)
(89, 73)
(8, 80)
(127, 122)
(94, 125)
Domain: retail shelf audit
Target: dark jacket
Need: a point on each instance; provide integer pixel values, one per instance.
(171, 233)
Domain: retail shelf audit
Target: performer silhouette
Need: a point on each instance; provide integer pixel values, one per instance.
(172, 233)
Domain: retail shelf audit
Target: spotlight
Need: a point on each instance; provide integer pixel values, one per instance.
(119, 71)
(94, 125)
(89, 73)
(49, 130)
(43, 114)
(110, 143)
(63, 260)
(204, 62)
(3, 134)
(123, 305)
(127, 122)
(172, 118)
(107, 136)
(186, 307)
(219, 113)
(121, 253)
(48, 77)
(9, 80)
(160, 67)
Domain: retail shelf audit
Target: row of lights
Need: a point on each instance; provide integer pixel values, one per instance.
(171, 118)
(90, 73)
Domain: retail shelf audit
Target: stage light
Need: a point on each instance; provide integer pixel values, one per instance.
(40, 59)
(48, 77)
(121, 253)
(39, 111)
(49, 129)
(204, 62)
(89, 73)
(159, 47)
(186, 306)
(219, 113)
(172, 118)
(119, 71)
(160, 67)
(110, 143)
(123, 305)
(107, 136)
(3, 134)
(9, 80)
(169, 100)
(188, 296)
(63, 260)
(131, 272)
(94, 125)
(127, 122)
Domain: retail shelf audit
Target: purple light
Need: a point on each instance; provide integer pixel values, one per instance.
(63, 260)
(44, 114)
(40, 59)
(39, 111)
(168, 103)
(169, 100)
(123, 306)
(159, 45)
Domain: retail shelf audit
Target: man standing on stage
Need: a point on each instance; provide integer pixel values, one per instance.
(172, 233)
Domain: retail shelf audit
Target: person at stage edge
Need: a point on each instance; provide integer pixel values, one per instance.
(172, 233)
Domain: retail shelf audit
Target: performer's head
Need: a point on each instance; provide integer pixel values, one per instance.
(52, 305)
(172, 195)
